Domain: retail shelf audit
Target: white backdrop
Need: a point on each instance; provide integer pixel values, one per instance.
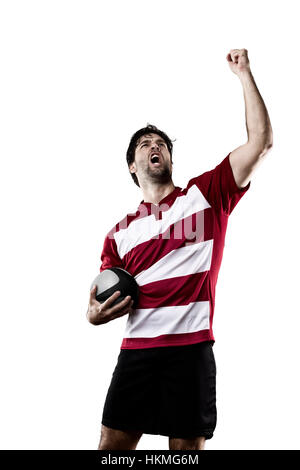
(78, 78)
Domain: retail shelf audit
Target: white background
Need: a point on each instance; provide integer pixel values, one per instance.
(78, 78)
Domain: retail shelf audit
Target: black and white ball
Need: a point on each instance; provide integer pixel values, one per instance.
(112, 279)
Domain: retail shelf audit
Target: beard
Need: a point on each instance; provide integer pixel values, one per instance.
(158, 175)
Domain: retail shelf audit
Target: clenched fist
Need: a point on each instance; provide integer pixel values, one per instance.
(238, 61)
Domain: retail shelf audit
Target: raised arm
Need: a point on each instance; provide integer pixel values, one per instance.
(245, 159)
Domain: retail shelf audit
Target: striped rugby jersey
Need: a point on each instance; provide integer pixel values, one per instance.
(174, 251)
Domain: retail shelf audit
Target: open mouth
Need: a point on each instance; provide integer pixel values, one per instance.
(155, 160)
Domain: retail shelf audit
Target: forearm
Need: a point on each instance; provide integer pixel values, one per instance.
(258, 123)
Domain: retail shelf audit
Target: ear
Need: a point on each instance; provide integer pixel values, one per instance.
(132, 168)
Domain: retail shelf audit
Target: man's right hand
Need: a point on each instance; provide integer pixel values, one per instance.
(99, 313)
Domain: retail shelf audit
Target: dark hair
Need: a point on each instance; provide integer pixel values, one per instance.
(149, 129)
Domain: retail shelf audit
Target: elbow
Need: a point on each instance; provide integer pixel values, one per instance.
(263, 140)
(262, 145)
(269, 141)
(265, 149)
(268, 145)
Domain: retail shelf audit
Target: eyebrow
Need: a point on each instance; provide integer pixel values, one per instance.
(148, 140)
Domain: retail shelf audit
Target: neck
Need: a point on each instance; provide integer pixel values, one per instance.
(155, 193)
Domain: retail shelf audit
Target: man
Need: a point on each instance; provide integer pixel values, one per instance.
(164, 380)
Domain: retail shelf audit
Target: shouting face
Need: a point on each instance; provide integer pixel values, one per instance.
(152, 162)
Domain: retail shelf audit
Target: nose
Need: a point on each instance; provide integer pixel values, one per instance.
(154, 146)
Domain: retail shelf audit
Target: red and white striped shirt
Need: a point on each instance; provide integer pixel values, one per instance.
(174, 251)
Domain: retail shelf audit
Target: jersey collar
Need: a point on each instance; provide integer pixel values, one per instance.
(165, 200)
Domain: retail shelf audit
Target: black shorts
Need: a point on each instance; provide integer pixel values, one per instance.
(169, 391)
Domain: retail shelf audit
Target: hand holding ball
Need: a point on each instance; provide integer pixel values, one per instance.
(116, 279)
(113, 294)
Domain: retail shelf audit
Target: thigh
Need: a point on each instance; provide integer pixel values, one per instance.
(189, 392)
(115, 439)
(131, 401)
(197, 443)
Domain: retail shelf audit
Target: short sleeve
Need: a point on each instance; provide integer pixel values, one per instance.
(219, 187)
(109, 256)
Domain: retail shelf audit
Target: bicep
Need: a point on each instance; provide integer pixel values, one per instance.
(244, 161)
